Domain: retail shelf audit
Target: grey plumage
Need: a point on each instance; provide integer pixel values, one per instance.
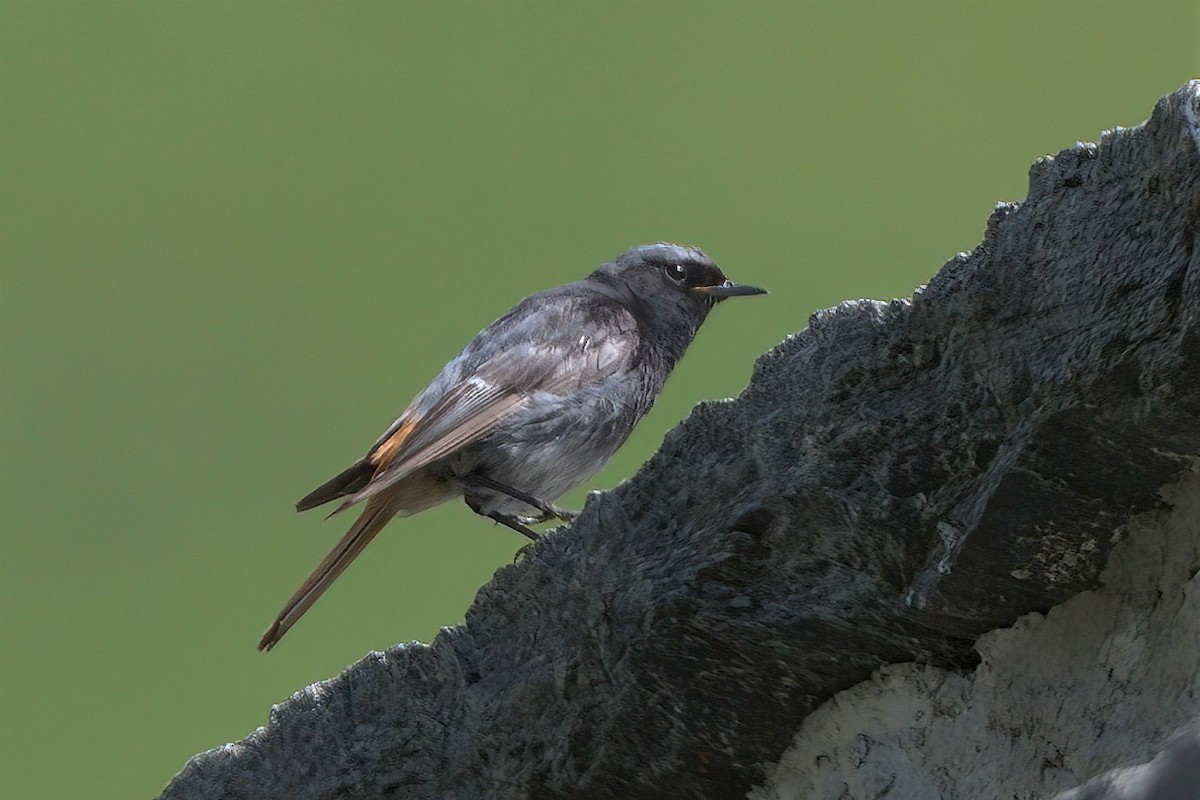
(534, 405)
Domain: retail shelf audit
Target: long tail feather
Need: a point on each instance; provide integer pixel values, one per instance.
(348, 481)
(370, 522)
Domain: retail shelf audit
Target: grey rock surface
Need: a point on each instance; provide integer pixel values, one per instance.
(897, 480)
(1174, 774)
(1100, 680)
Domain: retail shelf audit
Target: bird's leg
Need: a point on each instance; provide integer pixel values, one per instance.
(549, 510)
(503, 519)
(514, 523)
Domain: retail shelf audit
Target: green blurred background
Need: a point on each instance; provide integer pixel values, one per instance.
(237, 238)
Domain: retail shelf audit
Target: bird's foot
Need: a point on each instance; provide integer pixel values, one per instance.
(514, 523)
(554, 512)
(548, 510)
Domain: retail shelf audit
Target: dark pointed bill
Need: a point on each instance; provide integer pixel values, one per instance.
(730, 289)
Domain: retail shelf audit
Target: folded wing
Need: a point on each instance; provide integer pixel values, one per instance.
(570, 343)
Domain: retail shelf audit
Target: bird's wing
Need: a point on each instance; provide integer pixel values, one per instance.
(553, 343)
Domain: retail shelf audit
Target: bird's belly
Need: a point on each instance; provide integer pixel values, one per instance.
(549, 469)
(550, 454)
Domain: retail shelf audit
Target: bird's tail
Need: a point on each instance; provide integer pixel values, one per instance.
(378, 512)
(348, 481)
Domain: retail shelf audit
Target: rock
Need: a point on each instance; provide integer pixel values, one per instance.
(1099, 680)
(1174, 774)
(897, 480)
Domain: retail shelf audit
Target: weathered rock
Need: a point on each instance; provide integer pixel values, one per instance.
(898, 479)
(1098, 681)
(1174, 774)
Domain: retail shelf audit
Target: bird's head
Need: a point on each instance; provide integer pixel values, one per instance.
(671, 280)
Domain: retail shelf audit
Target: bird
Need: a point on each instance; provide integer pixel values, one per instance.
(533, 406)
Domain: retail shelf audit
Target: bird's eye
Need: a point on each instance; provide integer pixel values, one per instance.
(676, 272)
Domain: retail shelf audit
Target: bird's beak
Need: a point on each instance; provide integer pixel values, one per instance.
(729, 289)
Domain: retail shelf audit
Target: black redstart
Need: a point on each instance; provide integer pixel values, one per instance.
(533, 406)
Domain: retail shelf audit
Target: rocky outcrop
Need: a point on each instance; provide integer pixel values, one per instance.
(897, 480)
(1100, 680)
